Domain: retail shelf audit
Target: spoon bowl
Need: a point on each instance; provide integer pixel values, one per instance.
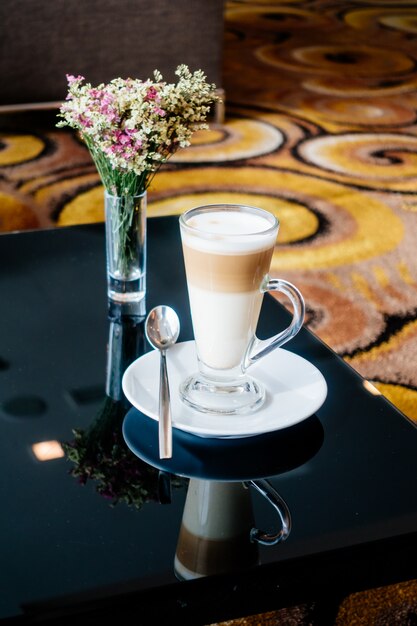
(162, 328)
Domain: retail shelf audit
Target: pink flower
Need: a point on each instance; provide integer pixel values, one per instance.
(107, 98)
(112, 115)
(151, 93)
(74, 79)
(120, 137)
(159, 111)
(84, 121)
(110, 112)
(124, 140)
(95, 93)
(116, 149)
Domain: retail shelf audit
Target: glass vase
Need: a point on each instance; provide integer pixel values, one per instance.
(125, 228)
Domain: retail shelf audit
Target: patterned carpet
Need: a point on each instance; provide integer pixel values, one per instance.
(321, 130)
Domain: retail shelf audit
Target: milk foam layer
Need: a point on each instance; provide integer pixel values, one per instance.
(229, 232)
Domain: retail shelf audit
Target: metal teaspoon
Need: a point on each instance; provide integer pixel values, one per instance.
(162, 328)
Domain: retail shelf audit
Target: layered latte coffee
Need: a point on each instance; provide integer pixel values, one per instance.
(225, 269)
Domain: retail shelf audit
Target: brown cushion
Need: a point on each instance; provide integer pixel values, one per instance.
(41, 41)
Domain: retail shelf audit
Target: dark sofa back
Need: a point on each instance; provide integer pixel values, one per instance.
(43, 40)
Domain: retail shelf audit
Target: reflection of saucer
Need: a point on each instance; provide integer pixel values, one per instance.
(228, 458)
(295, 389)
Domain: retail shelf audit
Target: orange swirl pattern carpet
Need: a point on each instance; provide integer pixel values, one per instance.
(321, 130)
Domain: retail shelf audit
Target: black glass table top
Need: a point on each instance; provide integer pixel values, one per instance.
(350, 484)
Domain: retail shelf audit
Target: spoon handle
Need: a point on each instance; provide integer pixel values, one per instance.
(165, 425)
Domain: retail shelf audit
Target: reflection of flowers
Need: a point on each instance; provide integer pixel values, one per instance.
(100, 453)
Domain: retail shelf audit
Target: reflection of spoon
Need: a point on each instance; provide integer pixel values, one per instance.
(162, 328)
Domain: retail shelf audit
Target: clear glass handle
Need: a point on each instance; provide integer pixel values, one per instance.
(267, 491)
(260, 347)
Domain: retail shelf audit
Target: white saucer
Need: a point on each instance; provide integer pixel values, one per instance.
(295, 389)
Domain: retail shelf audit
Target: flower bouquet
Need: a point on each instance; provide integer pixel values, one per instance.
(131, 127)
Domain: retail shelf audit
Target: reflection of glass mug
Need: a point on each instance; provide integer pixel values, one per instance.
(227, 254)
(215, 531)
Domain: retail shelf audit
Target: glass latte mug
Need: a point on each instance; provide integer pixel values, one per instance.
(227, 254)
